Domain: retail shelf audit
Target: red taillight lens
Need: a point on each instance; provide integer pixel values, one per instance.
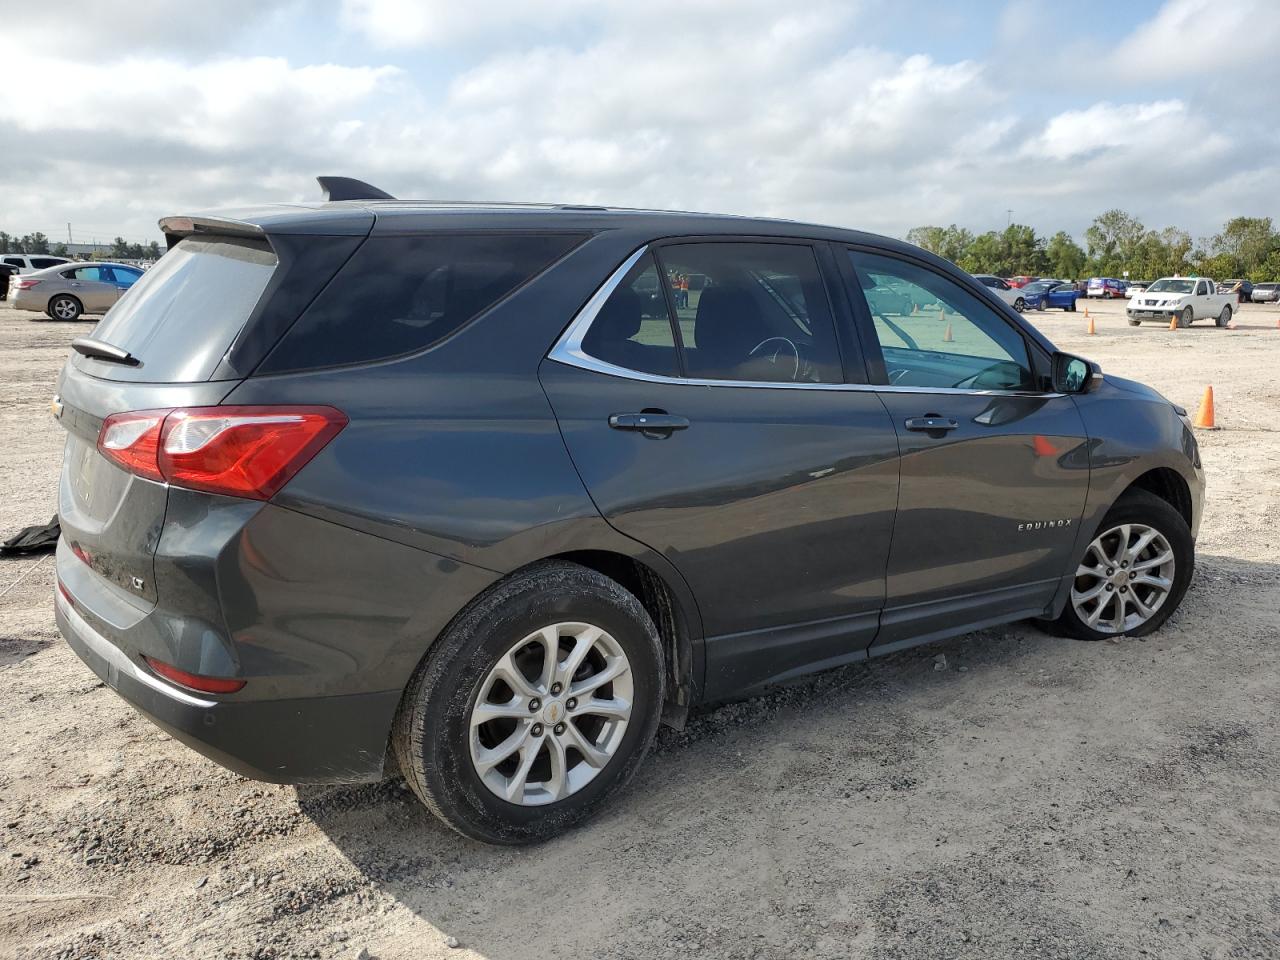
(237, 451)
(132, 440)
(194, 681)
(243, 451)
(27, 284)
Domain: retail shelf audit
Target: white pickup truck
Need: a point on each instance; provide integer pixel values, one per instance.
(1186, 298)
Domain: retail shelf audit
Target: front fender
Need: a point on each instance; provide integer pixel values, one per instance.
(1132, 430)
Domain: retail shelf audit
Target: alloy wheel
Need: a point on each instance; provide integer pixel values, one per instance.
(551, 714)
(1125, 577)
(65, 309)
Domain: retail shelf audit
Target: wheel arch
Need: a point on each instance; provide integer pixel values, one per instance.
(1170, 486)
(668, 606)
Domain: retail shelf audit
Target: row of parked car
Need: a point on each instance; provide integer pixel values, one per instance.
(1036, 293)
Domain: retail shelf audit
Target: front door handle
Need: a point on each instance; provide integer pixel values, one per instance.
(650, 424)
(931, 423)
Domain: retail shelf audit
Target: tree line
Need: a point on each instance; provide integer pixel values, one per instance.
(37, 242)
(1246, 247)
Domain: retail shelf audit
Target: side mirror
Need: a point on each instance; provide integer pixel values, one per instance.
(1075, 374)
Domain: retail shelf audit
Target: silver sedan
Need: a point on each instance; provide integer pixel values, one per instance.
(67, 291)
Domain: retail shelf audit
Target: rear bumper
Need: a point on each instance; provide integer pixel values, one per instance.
(337, 739)
(25, 300)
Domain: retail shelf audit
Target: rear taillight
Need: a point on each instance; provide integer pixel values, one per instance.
(132, 440)
(238, 451)
(27, 284)
(194, 681)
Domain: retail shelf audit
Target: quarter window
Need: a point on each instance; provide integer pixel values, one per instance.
(934, 333)
(397, 295)
(633, 328)
(751, 311)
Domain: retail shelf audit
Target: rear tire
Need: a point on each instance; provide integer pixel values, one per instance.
(446, 749)
(1137, 512)
(1185, 317)
(1224, 317)
(65, 307)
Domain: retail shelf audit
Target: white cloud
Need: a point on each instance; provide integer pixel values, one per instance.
(744, 107)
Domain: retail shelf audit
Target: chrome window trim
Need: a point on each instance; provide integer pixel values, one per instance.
(568, 350)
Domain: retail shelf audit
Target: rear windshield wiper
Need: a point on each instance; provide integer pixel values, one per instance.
(98, 350)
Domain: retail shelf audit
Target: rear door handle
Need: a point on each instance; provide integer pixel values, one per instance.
(931, 423)
(650, 424)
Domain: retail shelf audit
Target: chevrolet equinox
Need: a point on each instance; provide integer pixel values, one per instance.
(486, 492)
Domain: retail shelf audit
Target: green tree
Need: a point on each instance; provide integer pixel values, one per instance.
(59, 250)
(1065, 257)
(950, 242)
(119, 248)
(153, 250)
(984, 255)
(1023, 251)
(6, 242)
(35, 243)
(1113, 238)
(1249, 241)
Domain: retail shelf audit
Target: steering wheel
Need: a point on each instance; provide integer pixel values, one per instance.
(773, 357)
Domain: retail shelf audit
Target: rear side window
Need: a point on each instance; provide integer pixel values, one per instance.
(180, 318)
(91, 274)
(398, 295)
(41, 263)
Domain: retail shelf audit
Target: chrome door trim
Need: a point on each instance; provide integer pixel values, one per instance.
(568, 350)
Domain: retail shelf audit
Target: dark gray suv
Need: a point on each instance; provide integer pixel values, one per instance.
(488, 491)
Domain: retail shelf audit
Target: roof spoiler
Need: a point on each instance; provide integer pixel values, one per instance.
(346, 188)
(175, 228)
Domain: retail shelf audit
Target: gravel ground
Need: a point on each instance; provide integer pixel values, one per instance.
(1003, 794)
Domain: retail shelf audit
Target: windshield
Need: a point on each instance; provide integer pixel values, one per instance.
(1172, 286)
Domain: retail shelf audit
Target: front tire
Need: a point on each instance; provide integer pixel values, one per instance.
(65, 307)
(1135, 323)
(534, 708)
(1133, 574)
(1020, 305)
(1185, 317)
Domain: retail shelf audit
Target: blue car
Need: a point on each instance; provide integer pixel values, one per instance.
(1044, 294)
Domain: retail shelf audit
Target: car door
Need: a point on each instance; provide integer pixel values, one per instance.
(703, 399)
(995, 467)
(93, 288)
(122, 278)
(1203, 300)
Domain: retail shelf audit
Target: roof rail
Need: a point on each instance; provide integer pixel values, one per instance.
(346, 188)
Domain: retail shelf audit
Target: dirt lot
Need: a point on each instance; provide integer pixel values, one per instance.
(1034, 797)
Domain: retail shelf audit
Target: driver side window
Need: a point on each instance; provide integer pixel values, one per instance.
(751, 311)
(934, 333)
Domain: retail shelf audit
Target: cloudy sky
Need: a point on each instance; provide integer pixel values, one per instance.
(877, 114)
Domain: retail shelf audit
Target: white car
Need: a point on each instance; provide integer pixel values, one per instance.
(31, 262)
(1185, 298)
(1010, 295)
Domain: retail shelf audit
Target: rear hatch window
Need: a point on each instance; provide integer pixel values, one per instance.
(185, 312)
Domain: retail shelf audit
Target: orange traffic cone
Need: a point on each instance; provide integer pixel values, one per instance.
(946, 335)
(915, 308)
(1086, 312)
(1204, 416)
(1173, 322)
(1093, 329)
